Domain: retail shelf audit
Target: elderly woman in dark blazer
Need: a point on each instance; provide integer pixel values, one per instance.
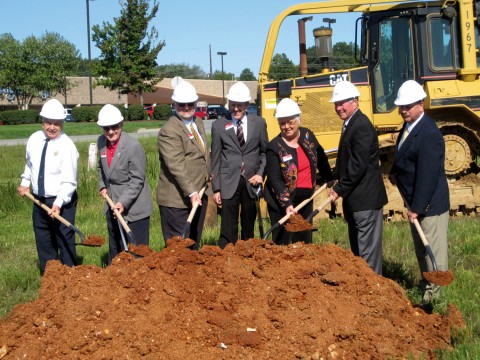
(122, 175)
(293, 158)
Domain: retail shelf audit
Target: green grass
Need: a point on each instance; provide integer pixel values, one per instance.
(20, 279)
(73, 128)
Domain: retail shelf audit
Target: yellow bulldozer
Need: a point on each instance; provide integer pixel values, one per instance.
(433, 42)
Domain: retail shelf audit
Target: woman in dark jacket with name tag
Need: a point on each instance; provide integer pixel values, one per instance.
(293, 158)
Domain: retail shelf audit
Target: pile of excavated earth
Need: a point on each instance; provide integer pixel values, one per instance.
(254, 300)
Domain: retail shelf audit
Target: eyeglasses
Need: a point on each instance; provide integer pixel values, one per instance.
(182, 105)
(291, 122)
(113, 127)
(409, 106)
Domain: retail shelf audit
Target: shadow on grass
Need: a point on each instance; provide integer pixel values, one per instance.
(397, 272)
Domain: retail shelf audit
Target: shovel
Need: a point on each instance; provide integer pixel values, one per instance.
(315, 212)
(298, 207)
(437, 277)
(123, 226)
(64, 221)
(186, 229)
(259, 212)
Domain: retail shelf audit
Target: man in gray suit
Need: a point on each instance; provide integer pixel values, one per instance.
(184, 167)
(239, 143)
(122, 175)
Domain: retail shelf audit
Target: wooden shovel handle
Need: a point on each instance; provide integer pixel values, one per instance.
(196, 205)
(303, 203)
(117, 214)
(47, 209)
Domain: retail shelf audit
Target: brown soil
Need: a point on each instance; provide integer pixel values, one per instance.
(252, 301)
(297, 223)
(94, 240)
(441, 278)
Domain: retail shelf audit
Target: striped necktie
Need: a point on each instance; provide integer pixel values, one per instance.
(240, 137)
(197, 137)
(404, 136)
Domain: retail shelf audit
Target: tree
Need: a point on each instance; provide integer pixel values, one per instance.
(343, 58)
(282, 67)
(36, 68)
(247, 75)
(217, 75)
(128, 49)
(182, 70)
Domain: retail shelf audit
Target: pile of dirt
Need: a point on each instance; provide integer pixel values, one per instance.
(297, 223)
(252, 301)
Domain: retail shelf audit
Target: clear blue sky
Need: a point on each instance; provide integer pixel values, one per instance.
(188, 27)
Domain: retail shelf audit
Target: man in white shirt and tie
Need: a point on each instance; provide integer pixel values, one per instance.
(51, 170)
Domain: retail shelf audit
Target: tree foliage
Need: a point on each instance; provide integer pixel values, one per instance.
(217, 75)
(343, 58)
(282, 67)
(129, 49)
(247, 75)
(183, 70)
(36, 67)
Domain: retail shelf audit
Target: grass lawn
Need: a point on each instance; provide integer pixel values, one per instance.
(19, 274)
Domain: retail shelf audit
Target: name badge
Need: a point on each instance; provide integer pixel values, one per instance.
(103, 155)
(190, 136)
(229, 126)
(287, 158)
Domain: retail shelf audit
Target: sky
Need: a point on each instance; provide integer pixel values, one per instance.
(190, 28)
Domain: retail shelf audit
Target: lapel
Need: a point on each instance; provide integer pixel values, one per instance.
(231, 131)
(250, 129)
(118, 153)
(409, 140)
(201, 132)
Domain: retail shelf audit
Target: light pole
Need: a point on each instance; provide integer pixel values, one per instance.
(89, 54)
(222, 53)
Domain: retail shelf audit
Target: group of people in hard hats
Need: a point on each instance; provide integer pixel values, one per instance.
(234, 168)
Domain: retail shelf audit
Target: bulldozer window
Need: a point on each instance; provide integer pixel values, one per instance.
(395, 64)
(441, 44)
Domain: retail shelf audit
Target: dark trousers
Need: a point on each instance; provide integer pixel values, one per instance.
(174, 220)
(365, 233)
(241, 203)
(140, 232)
(51, 236)
(282, 237)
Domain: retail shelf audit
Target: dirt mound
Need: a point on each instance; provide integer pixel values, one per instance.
(252, 301)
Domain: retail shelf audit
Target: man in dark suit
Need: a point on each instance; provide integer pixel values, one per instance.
(122, 174)
(359, 177)
(184, 167)
(239, 143)
(419, 173)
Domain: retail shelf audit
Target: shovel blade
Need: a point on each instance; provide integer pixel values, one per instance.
(186, 230)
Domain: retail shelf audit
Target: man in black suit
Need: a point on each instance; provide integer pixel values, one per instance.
(359, 177)
(419, 173)
(239, 143)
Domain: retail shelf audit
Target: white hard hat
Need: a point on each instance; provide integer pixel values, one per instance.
(53, 110)
(409, 93)
(184, 92)
(239, 92)
(109, 115)
(287, 107)
(344, 90)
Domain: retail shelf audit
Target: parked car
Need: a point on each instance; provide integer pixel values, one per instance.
(149, 109)
(252, 109)
(69, 116)
(201, 112)
(217, 111)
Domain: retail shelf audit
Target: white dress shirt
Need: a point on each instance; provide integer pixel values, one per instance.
(61, 162)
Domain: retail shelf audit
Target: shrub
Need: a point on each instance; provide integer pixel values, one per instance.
(136, 112)
(162, 112)
(16, 117)
(85, 113)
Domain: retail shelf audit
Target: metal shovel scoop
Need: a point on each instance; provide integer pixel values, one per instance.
(123, 226)
(186, 229)
(298, 207)
(83, 241)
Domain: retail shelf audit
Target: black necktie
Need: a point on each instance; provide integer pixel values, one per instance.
(240, 137)
(41, 171)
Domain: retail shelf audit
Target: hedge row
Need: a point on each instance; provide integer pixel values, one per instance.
(84, 114)
(16, 117)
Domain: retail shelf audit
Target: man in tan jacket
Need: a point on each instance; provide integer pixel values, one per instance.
(184, 167)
